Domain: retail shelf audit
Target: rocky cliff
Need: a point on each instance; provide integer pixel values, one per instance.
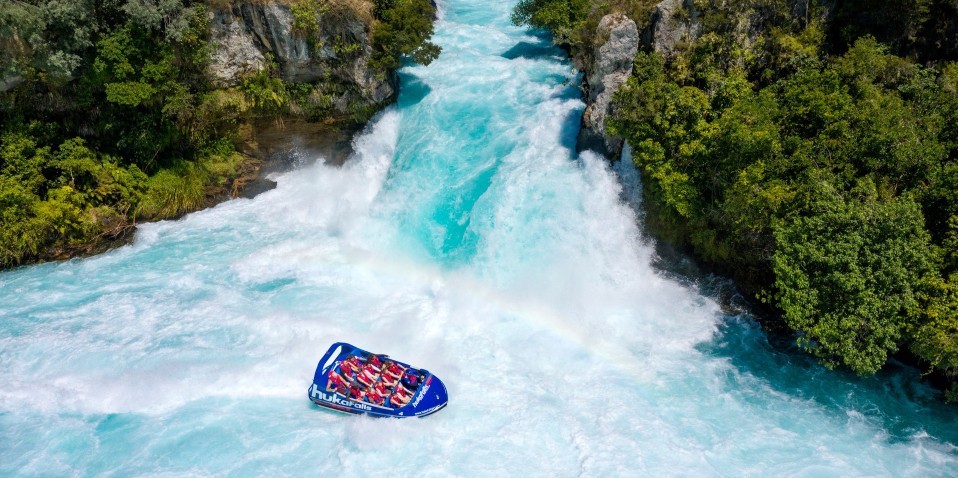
(610, 68)
(333, 54)
(674, 22)
(617, 39)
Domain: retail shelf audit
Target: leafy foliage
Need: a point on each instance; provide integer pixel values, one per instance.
(132, 84)
(560, 17)
(817, 180)
(56, 199)
(403, 29)
(115, 119)
(922, 28)
(936, 339)
(306, 15)
(848, 271)
(802, 154)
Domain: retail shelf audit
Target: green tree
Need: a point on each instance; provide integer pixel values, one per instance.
(847, 273)
(560, 17)
(936, 340)
(404, 31)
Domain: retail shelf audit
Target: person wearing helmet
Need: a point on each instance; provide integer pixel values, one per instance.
(411, 379)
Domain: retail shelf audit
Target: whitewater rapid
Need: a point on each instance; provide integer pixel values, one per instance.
(464, 236)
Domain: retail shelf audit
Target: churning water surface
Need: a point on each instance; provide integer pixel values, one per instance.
(464, 236)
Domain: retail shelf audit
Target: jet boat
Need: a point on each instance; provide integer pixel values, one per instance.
(351, 380)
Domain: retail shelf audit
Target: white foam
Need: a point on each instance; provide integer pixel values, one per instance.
(564, 351)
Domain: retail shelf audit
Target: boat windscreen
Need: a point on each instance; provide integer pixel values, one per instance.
(332, 357)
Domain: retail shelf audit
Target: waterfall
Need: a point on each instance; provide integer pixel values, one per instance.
(464, 236)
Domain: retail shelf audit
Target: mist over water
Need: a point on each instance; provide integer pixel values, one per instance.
(464, 236)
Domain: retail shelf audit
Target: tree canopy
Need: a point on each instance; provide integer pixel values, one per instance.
(811, 154)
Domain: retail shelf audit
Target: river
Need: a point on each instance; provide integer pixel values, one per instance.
(464, 236)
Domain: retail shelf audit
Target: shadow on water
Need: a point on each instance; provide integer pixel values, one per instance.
(413, 90)
(569, 131)
(895, 399)
(273, 285)
(541, 47)
(532, 51)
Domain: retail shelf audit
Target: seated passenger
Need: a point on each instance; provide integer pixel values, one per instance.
(336, 383)
(375, 361)
(368, 376)
(373, 396)
(348, 374)
(406, 390)
(351, 362)
(393, 369)
(383, 389)
(356, 393)
(390, 380)
(400, 398)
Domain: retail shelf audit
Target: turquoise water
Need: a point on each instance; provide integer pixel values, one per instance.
(464, 236)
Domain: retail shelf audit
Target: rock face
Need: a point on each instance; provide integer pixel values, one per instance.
(247, 35)
(235, 51)
(611, 68)
(617, 42)
(674, 22)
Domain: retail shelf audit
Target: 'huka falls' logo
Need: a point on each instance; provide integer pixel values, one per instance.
(421, 396)
(333, 398)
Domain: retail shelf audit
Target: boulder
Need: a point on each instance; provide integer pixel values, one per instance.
(612, 61)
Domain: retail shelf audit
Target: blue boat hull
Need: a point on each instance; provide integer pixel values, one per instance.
(428, 398)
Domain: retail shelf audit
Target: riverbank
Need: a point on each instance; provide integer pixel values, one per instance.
(803, 149)
(273, 147)
(151, 120)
